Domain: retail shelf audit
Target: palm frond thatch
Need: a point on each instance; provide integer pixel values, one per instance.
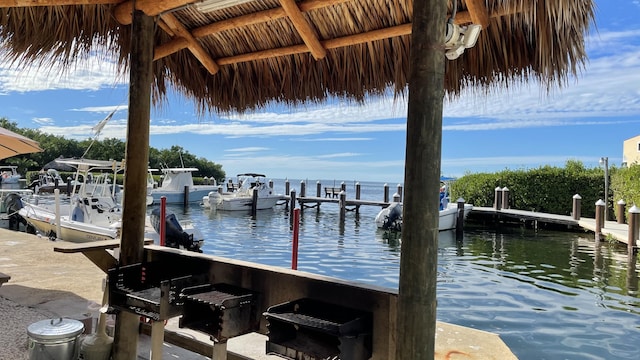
(267, 59)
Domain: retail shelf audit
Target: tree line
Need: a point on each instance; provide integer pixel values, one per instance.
(109, 148)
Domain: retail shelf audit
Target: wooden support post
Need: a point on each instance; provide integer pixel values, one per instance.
(416, 327)
(633, 230)
(343, 206)
(286, 187)
(504, 204)
(460, 219)
(577, 207)
(599, 216)
(185, 198)
(343, 186)
(358, 198)
(386, 193)
(157, 340)
(254, 202)
(292, 205)
(318, 189)
(125, 345)
(399, 191)
(621, 208)
(303, 189)
(497, 199)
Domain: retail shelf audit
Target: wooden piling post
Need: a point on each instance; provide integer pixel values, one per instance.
(386, 193)
(254, 202)
(343, 186)
(633, 230)
(292, 205)
(460, 219)
(396, 197)
(357, 198)
(599, 216)
(318, 188)
(621, 208)
(343, 206)
(286, 187)
(577, 207)
(399, 191)
(303, 189)
(497, 199)
(185, 199)
(504, 204)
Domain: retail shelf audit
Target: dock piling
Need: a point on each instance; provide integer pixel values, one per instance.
(505, 198)
(621, 208)
(399, 191)
(343, 206)
(634, 230)
(497, 199)
(254, 202)
(303, 189)
(577, 207)
(386, 193)
(599, 216)
(292, 205)
(318, 188)
(460, 220)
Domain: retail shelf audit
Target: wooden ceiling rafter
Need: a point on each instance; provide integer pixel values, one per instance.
(192, 44)
(303, 28)
(478, 12)
(32, 3)
(122, 12)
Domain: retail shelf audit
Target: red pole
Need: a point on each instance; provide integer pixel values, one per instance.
(296, 230)
(163, 215)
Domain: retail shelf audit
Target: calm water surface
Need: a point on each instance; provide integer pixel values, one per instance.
(549, 295)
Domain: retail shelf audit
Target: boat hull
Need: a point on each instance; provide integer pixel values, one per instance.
(177, 197)
(229, 202)
(448, 218)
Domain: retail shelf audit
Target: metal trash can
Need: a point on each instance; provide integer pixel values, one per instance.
(54, 339)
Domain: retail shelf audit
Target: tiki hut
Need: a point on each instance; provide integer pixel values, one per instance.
(239, 55)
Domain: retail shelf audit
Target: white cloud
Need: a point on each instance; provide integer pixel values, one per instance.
(43, 121)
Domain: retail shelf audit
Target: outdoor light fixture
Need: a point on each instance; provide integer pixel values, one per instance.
(604, 161)
(458, 38)
(206, 6)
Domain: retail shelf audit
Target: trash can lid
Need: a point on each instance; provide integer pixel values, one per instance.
(55, 329)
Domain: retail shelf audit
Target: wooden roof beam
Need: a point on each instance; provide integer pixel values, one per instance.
(123, 12)
(393, 31)
(304, 29)
(33, 3)
(192, 44)
(173, 46)
(478, 11)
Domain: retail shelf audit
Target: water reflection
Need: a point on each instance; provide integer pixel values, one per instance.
(550, 295)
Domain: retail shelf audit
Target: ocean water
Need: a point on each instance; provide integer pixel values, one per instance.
(549, 295)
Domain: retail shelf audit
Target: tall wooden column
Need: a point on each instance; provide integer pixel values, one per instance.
(418, 262)
(135, 175)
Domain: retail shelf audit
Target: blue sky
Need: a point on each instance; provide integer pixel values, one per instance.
(516, 129)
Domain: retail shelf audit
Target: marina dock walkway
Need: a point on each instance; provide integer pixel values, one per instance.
(612, 229)
(45, 284)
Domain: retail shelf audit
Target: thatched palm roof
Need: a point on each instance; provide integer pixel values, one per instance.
(244, 56)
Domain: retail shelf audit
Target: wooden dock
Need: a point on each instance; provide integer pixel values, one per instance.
(612, 229)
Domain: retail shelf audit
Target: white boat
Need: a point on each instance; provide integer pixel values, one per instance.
(9, 174)
(242, 197)
(390, 218)
(173, 184)
(48, 181)
(93, 212)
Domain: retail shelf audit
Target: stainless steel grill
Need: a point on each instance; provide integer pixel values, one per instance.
(313, 330)
(221, 310)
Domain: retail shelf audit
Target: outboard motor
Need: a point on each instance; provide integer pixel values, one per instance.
(175, 236)
(12, 204)
(393, 220)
